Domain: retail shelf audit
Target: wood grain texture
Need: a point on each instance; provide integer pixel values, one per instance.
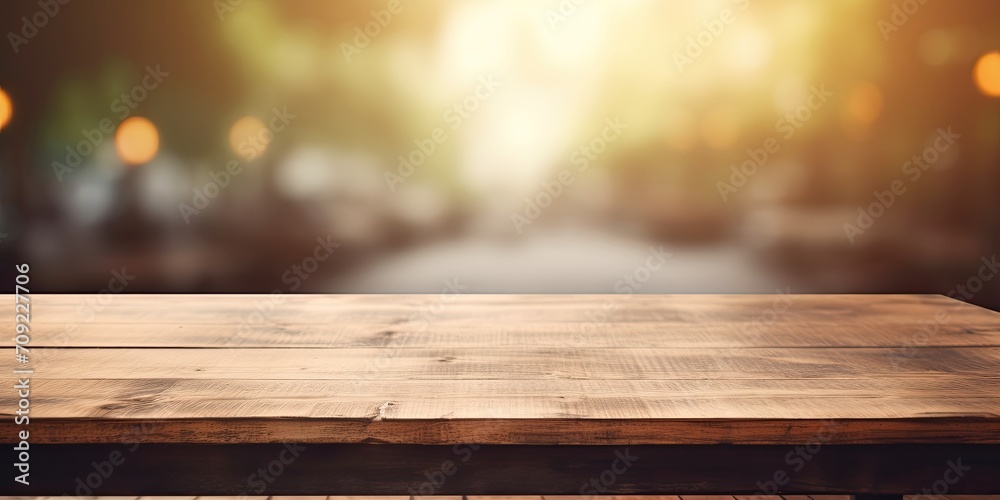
(485, 321)
(511, 369)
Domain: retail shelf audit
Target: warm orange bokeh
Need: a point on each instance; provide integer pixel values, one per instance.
(6, 110)
(247, 138)
(508, 145)
(137, 140)
(865, 103)
(988, 74)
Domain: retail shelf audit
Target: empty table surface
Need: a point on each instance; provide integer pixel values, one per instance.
(510, 369)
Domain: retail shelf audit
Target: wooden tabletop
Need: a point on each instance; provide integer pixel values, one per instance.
(510, 369)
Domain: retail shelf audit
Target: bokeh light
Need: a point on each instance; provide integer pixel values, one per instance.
(751, 49)
(504, 108)
(682, 134)
(987, 73)
(938, 46)
(249, 137)
(865, 103)
(137, 140)
(6, 109)
(720, 128)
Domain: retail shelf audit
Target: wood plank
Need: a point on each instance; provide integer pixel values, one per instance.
(509, 309)
(452, 399)
(751, 431)
(514, 363)
(485, 321)
(496, 369)
(868, 410)
(489, 336)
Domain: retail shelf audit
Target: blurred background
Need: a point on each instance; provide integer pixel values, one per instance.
(501, 146)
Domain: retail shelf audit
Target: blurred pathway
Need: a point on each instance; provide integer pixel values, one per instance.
(566, 261)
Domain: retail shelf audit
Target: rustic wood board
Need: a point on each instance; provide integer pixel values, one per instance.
(511, 369)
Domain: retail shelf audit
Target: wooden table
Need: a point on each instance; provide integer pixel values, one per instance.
(504, 394)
